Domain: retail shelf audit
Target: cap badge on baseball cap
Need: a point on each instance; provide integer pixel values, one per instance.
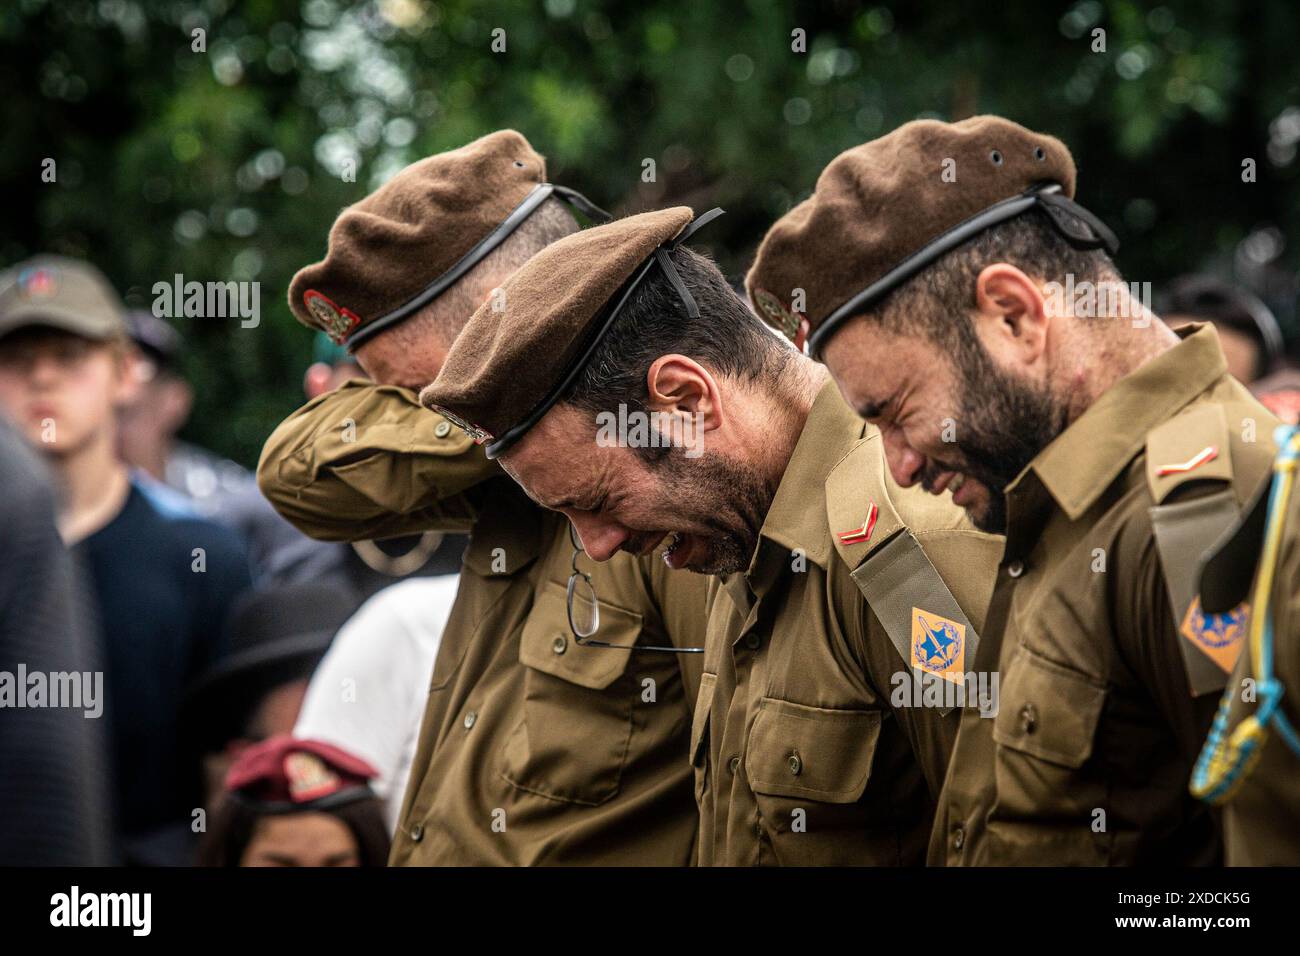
(539, 194)
(38, 282)
(334, 321)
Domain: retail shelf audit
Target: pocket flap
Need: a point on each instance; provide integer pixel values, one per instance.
(1048, 711)
(800, 751)
(548, 645)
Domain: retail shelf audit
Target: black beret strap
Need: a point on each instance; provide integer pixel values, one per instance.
(694, 226)
(1046, 197)
(501, 445)
(1064, 213)
(581, 203)
(338, 798)
(670, 271)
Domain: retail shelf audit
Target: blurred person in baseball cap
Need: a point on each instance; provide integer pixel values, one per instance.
(65, 373)
(64, 356)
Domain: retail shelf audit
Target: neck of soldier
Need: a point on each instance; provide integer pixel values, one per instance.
(780, 413)
(95, 484)
(1092, 360)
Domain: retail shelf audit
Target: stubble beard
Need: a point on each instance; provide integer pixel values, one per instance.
(1004, 424)
(725, 496)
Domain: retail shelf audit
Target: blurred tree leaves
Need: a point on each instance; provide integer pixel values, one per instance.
(226, 164)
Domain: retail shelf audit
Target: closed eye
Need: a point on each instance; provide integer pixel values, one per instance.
(873, 411)
(584, 504)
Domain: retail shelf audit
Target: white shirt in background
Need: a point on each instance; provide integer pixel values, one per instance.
(368, 693)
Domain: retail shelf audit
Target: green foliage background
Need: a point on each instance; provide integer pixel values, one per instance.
(227, 164)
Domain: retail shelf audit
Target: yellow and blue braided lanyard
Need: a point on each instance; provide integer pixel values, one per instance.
(1229, 756)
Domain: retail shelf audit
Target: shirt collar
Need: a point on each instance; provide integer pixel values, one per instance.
(508, 536)
(797, 518)
(1083, 461)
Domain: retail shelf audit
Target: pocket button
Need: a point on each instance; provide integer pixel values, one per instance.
(1028, 718)
(560, 644)
(795, 764)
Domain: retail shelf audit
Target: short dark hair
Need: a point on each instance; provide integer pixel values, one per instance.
(727, 338)
(939, 299)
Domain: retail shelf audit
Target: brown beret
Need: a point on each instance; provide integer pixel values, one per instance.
(884, 210)
(506, 368)
(404, 244)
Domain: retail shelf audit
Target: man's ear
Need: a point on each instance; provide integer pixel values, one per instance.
(676, 384)
(1010, 315)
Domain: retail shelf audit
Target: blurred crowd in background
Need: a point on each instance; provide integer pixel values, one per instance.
(261, 691)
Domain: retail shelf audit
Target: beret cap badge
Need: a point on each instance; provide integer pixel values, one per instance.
(333, 321)
(402, 246)
(776, 313)
(284, 774)
(309, 777)
(476, 432)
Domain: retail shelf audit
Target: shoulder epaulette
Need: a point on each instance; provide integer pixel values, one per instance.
(1194, 447)
(904, 589)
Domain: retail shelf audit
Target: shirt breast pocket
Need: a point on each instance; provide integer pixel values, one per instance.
(573, 738)
(808, 768)
(1045, 731)
(1048, 711)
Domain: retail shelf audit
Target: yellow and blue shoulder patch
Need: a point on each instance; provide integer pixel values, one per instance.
(1218, 636)
(938, 645)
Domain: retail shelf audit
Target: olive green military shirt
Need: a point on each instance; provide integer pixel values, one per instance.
(532, 749)
(368, 461)
(812, 741)
(1088, 757)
